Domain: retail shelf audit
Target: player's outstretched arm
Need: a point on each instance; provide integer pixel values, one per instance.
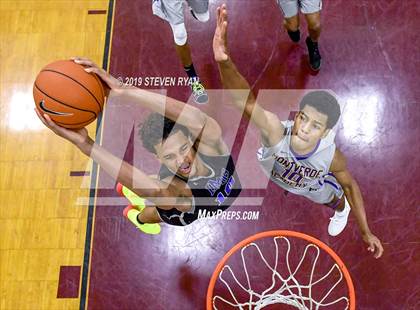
(198, 122)
(268, 123)
(354, 197)
(154, 190)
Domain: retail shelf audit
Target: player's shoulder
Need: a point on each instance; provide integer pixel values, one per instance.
(339, 162)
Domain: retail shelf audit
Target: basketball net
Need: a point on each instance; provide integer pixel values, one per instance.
(285, 287)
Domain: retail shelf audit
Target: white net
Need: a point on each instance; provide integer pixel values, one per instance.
(286, 286)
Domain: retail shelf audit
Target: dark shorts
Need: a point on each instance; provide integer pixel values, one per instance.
(178, 218)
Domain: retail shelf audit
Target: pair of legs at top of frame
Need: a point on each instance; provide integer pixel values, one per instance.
(173, 12)
(311, 10)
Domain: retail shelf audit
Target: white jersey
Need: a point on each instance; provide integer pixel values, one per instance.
(301, 174)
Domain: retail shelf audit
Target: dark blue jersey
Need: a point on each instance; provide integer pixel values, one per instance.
(216, 191)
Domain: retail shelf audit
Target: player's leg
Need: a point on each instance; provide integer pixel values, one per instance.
(145, 218)
(148, 223)
(182, 48)
(330, 193)
(199, 9)
(173, 13)
(342, 209)
(184, 53)
(149, 215)
(312, 9)
(337, 203)
(290, 12)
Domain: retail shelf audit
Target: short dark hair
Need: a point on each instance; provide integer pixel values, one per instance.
(156, 129)
(323, 102)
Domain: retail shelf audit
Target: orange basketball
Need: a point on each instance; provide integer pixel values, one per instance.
(72, 97)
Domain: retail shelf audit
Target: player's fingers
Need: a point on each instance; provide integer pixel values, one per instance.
(105, 76)
(94, 70)
(85, 62)
(219, 17)
(371, 247)
(224, 12)
(379, 249)
(78, 58)
(224, 28)
(48, 120)
(40, 117)
(51, 123)
(100, 72)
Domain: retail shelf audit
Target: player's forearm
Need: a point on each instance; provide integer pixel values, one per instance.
(176, 110)
(354, 196)
(120, 170)
(232, 79)
(244, 101)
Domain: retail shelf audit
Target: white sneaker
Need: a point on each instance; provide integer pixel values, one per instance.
(339, 221)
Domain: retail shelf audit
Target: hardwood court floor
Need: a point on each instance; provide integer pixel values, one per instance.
(42, 226)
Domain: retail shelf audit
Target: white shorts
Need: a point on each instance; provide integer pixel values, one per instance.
(173, 10)
(325, 191)
(291, 7)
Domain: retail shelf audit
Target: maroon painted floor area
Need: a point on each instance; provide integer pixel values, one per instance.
(370, 61)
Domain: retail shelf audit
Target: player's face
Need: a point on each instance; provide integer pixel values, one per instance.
(177, 154)
(310, 126)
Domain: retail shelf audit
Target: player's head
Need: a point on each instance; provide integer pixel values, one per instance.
(170, 142)
(319, 111)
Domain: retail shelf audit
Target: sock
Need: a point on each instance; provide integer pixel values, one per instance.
(294, 35)
(345, 208)
(138, 220)
(191, 71)
(312, 41)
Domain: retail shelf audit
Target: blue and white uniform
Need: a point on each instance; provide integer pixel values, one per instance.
(305, 175)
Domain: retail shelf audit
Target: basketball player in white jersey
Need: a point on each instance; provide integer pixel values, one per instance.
(311, 9)
(300, 156)
(172, 11)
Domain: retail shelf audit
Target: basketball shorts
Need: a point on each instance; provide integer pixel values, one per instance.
(173, 11)
(179, 218)
(325, 191)
(291, 7)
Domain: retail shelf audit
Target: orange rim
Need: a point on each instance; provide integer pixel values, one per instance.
(284, 233)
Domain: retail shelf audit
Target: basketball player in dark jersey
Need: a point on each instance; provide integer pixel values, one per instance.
(197, 170)
(211, 179)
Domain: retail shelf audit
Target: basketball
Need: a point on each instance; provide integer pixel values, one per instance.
(72, 97)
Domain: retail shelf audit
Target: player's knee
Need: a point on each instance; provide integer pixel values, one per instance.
(314, 26)
(291, 24)
(180, 34)
(203, 17)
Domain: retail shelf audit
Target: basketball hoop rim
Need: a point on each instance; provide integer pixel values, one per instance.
(279, 233)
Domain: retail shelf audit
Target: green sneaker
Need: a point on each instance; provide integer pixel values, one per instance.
(137, 205)
(199, 92)
(134, 199)
(131, 214)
